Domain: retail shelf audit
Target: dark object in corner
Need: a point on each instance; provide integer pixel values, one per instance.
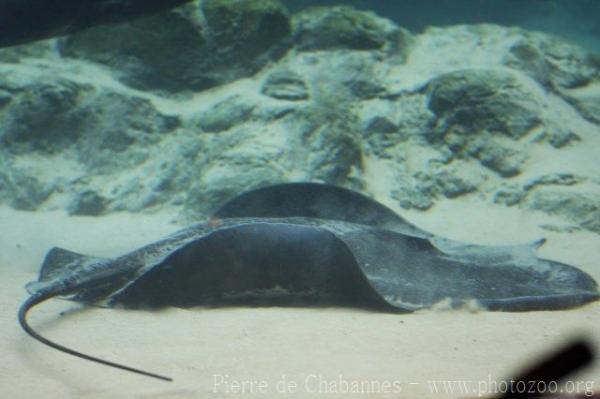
(549, 371)
(23, 21)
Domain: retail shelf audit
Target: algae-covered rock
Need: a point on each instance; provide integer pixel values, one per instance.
(557, 194)
(245, 29)
(420, 190)
(88, 203)
(239, 170)
(52, 116)
(225, 115)
(483, 100)
(586, 100)
(409, 197)
(335, 154)
(553, 61)
(580, 208)
(285, 85)
(21, 190)
(160, 52)
(554, 179)
(328, 28)
(509, 195)
(43, 116)
(480, 113)
(187, 49)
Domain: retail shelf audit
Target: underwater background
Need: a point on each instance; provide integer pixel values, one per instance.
(193, 106)
(475, 120)
(571, 19)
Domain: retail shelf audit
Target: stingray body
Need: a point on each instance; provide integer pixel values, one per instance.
(311, 244)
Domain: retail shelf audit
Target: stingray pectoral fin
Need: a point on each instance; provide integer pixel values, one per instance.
(35, 287)
(56, 260)
(59, 259)
(412, 273)
(490, 254)
(541, 302)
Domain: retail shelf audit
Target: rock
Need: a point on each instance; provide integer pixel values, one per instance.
(586, 100)
(5, 98)
(591, 221)
(552, 61)
(225, 115)
(483, 100)
(423, 188)
(380, 133)
(452, 186)
(559, 138)
(88, 203)
(512, 194)
(117, 123)
(75, 130)
(380, 125)
(242, 30)
(366, 89)
(480, 112)
(559, 228)
(329, 28)
(42, 116)
(285, 85)
(333, 153)
(223, 180)
(552, 194)
(160, 52)
(571, 71)
(509, 195)
(335, 74)
(244, 36)
(41, 49)
(527, 56)
(22, 191)
(555, 179)
(506, 160)
(182, 50)
(412, 198)
(164, 174)
(54, 116)
(443, 182)
(579, 207)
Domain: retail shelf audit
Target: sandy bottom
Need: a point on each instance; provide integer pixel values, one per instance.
(274, 352)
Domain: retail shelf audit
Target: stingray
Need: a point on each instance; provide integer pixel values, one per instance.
(309, 244)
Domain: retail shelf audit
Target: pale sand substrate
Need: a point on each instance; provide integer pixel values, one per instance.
(320, 350)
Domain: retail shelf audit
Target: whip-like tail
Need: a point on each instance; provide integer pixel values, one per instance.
(37, 299)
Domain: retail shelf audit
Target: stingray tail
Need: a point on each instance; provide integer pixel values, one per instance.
(36, 299)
